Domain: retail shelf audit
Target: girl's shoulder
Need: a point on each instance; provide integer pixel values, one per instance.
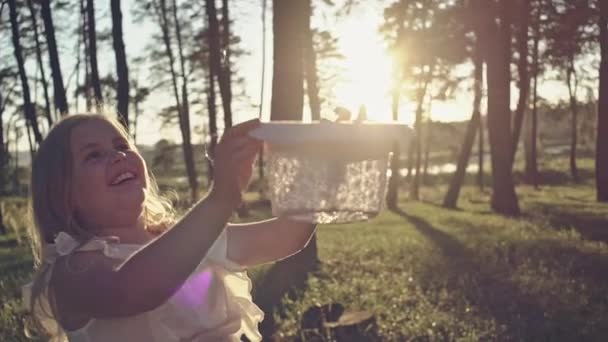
(82, 271)
(65, 245)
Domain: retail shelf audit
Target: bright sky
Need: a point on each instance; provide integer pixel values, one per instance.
(366, 79)
(367, 68)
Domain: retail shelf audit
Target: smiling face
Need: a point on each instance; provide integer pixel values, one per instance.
(108, 177)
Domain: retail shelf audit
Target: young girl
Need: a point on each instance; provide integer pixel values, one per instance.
(114, 264)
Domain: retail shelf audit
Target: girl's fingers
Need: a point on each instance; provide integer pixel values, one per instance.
(241, 129)
(246, 154)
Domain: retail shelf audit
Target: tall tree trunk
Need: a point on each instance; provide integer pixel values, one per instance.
(87, 58)
(4, 162)
(451, 198)
(216, 60)
(30, 142)
(190, 165)
(61, 102)
(422, 90)
(3, 153)
(136, 110)
(392, 194)
(262, 88)
(92, 35)
(524, 77)
(601, 150)
(310, 68)
(289, 29)
(161, 12)
(411, 152)
(225, 77)
(504, 199)
(531, 175)
(480, 155)
(287, 76)
(427, 150)
(16, 172)
(122, 69)
(79, 43)
(212, 110)
(30, 113)
(2, 227)
(572, 90)
(45, 84)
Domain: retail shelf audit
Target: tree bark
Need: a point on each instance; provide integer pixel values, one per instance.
(216, 60)
(45, 85)
(87, 58)
(601, 150)
(310, 68)
(287, 76)
(427, 149)
(480, 155)
(136, 110)
(531, 171)
(289, 27)
(451, 198)
(61, 102)
(29, 111)
(122, 69)
(504, 199)
(572, 90)
(226, 74)
(161, 12)
(92, 37)
(212, 110)
(524, 77)
(411, 151)
(2, 227)
(190, 165)
(4, 155)
(78, 60)
(422, 90)
(392, 194)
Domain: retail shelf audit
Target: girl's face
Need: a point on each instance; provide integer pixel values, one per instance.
(108, 177)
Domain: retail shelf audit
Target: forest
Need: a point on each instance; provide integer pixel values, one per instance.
(495, 226)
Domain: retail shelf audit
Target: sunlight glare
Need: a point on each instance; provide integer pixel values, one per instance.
(367, 77)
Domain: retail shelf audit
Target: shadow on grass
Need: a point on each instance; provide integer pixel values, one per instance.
(286, 277)
(591, 225)
(484, 287)
(556, 176)
(588, 267)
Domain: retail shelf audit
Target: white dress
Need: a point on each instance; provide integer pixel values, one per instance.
(214, 304)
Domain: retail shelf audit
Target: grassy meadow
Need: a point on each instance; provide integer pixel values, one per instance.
(433, 274)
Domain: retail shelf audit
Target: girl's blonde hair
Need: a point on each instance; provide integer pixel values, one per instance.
(52, 209)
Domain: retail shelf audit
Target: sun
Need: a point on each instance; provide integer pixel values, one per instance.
(367, 72)
(368, 76)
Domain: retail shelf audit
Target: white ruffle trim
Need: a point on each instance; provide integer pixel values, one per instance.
(213, 304)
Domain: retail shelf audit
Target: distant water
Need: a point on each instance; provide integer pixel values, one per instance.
(25, 160)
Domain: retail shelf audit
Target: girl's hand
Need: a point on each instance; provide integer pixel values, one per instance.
(234, 157)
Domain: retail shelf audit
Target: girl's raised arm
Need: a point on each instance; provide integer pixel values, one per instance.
(257, 243)
(87, 285)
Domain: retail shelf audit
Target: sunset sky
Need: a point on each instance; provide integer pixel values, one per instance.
(365, 79)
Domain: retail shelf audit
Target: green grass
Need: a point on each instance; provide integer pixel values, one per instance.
(430, 273)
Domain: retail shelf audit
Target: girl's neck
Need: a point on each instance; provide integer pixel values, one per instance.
(131, 235)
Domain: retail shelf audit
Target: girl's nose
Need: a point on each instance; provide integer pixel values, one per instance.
(118, 156)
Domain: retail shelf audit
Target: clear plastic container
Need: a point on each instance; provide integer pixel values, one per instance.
(328, 172)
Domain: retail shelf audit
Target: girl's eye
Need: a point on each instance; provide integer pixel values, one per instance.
(124, 147)
(93, 155)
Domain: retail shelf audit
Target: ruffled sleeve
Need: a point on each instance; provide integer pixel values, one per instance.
(63, 245)
(214, 303)
(218, 253)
